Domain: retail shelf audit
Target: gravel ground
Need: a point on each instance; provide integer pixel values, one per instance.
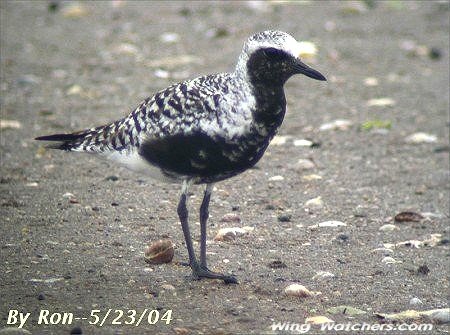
(68, 66)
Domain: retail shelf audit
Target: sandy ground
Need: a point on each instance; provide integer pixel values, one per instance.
(67, 68)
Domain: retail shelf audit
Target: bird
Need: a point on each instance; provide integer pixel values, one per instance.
(202, 130)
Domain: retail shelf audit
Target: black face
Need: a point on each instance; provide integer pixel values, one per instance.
(273, 67)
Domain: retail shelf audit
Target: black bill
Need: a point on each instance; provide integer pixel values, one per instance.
(308, 71)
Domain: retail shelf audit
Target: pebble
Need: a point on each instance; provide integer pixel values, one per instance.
(314, 202)
(276, 178)
(47, 281)
(229, 234)
(169, 37)
(318, 320)
(231, 217)
(415, 301)
(323, 275)
(336, 125)
(10, 124)
(386, 251)
(408, 217)
(388, 227)
(159, 252)
(298, 290)
(168, 287)
(389, 260)
(74, 90)
(181, 331)
(284, 217)
(380, 102)
(303, 164)
(279, 140)
(370, 81)
(303, 143)
(311, 177)
(126, 49)
(421, 137)
(331, 224)
(277, 265)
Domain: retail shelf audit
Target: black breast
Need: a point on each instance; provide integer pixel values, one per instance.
(202, 157)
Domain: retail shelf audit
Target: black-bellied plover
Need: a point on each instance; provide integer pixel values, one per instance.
(203, 130)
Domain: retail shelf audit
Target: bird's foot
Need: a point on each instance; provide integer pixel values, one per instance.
(199, 272)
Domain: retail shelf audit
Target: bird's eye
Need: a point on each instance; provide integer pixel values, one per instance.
(274, 54)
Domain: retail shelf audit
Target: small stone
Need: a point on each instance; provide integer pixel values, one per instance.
(126, 49)
(332, 224)
(421, 137)
(336, 125)
(371, 81)
(385, 251)
(168, 287)
(415, 301)
(41, 296)
(231, 217)
(159, 252)
(276, 178)
(284, 217)
(435, 53)
(10, 124)
(279, 140)
(423, 269)
(311, 177)
(112, 178)
(298, 290)
(314, 202)
(303, 143)
(229, 234)
(181, 331)
(389, 260)
(68, 195)
(114, 204)
(408, 217)
(341, 238)
(303, 164)
(388, 227)
(74, 90)
(277, 265)
(169, 37)
(318, 320)
(323, 275)
(381, 102)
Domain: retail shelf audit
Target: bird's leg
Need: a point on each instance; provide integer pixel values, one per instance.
(183, 215)
(203, 271)
(204, 214)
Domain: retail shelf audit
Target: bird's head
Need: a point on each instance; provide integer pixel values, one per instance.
(272, 57)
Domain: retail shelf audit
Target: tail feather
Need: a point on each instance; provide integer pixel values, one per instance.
(94, 140)
(67, 142)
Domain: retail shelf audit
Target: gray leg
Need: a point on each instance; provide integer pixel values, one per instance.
(183, 215)
(204, 214)
(198, 270)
